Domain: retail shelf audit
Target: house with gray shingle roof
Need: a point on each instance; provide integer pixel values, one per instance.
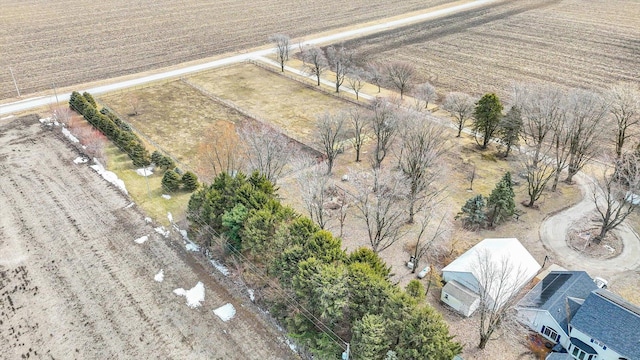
(606, 327)
(549, 307)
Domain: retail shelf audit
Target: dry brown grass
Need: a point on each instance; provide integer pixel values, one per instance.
(290, 106)
(71, 42)
(482, 51)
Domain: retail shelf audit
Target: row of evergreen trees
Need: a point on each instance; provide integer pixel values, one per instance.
(350, 293)
(112, 127)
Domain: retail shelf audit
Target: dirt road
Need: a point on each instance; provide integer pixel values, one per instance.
(75, 284)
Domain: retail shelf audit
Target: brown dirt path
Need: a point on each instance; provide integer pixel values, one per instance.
(74, 284)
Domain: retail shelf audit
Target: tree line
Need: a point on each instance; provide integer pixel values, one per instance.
(121, 134)
(337, 296)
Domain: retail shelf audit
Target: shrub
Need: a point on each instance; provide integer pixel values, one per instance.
(189, 181)
(170, 181)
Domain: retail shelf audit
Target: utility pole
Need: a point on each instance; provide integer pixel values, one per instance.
(14, 81)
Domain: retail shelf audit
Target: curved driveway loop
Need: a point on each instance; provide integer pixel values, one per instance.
(554, 229)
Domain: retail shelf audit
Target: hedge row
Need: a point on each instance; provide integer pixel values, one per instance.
(112, 127)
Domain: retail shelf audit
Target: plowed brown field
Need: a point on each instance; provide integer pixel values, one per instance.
(75, 285)
(70, 42)
(573, 43)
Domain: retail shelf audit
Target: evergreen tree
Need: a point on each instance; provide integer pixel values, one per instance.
(170, 181)
(487, 116)
(90, 99)
(425, 335)
(232, 222)
(369, 257)
(156, 157)
(166, 162)
(501, 203)
(510, 128)
(415, 289)
(189, 181)
(472, 213)
(369, 339)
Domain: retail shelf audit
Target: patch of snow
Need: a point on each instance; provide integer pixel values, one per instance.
(147, 220)
(192, 247)
(291, 345)
(159, 276)
(130, 205)
(170, 217)
(56, 123)
(69, 136)
(225, 312)
(45, 121)
(252, 295)
(223, 269)
(162, 231)
(608, 247)
(194, 295)
(80, 160)
(165, 196)
(184, 234)
(141, 240)
(148, 171)
(109, 176)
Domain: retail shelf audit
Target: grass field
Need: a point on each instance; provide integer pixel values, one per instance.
(572, 43)
(69, 42)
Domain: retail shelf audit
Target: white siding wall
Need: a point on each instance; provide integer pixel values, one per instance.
(607, 354)
(536, 319)
(458, 305)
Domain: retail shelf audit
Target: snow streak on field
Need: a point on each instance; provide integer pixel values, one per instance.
(69, 42)
(74, 284)
(573, 43)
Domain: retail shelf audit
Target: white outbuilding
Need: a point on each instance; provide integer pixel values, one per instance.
(466, 277)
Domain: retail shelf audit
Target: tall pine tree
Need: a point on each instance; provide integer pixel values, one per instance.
(487, 115)
(501, 203)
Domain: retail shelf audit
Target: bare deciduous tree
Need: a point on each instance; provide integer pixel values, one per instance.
(330, 134)
(315, 62)
(500, 281)
(428, 236)
(401, 76)
(222, 152)
(542, 107)
(375, 74)
(616, 193)
(561, 142)
(588, 112)
(314, 183)
(624, 105)
(356, 80)
(421, 148)
(340, 61)
(358, 126)
(460, 106)
(384, 126)
(425, 93)
(539, 168)
(267, 150)
(379, 196)
(283, 46)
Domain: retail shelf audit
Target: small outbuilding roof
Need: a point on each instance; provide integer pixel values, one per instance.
(499, 249)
